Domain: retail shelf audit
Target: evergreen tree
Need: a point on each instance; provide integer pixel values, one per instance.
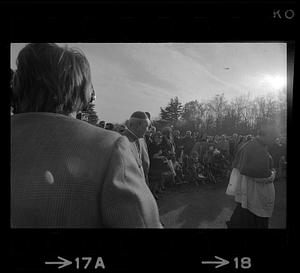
(164, 114)
(91, 114)
(172, 112)
(240, 115)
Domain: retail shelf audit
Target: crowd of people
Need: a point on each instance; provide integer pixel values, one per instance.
(179, 157)
(196, 158)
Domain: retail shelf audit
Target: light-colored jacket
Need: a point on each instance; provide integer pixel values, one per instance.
(140, 151)
(66, 173)
(145, 158)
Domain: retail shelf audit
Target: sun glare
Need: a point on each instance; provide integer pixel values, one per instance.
(276, 82)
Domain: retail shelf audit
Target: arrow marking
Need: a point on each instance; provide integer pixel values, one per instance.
(64, 262)
(219, 263)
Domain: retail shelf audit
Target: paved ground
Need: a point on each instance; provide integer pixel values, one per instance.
(207, 206)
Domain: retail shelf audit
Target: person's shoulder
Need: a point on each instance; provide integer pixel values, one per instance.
(129, 135)
(253, 143)
(252, 147)
(77, 131)
(91, 132)
(94, 129)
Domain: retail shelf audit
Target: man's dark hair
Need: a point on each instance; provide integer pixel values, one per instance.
(50, 78)
(266, 125)
(101, 123)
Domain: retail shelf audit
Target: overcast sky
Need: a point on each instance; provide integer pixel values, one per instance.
(135, 76)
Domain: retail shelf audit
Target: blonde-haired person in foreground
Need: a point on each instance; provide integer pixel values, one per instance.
(67, 173)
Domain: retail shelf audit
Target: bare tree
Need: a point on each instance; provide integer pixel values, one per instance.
(241, 115)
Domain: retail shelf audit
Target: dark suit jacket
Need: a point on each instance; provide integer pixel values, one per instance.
(66, 173)
(253, 160)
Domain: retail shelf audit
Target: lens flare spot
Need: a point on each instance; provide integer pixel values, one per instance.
(49, 177)
(75, 166)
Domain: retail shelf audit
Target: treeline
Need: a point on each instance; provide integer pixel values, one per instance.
(241, 115)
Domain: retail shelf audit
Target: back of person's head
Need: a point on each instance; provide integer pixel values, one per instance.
(50, 78)
(109, 126)
(265, 127)
(101, 124)
(121, 128)
(268, 132)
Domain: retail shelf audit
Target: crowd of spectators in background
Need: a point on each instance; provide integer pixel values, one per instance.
(178, 157)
